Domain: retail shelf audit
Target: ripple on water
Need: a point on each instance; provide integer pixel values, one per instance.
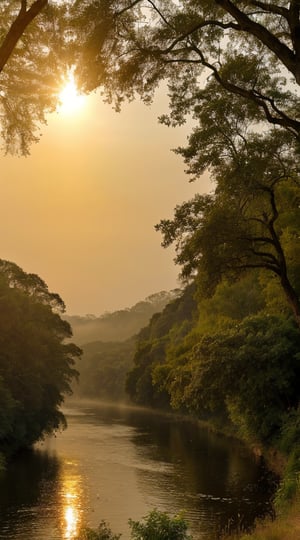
(114, 464)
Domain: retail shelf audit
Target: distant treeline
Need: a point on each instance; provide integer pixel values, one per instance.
(108, 354)
(119, 325)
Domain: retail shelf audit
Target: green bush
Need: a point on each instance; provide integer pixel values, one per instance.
(103, 532)
(159, 526)
(155, 526)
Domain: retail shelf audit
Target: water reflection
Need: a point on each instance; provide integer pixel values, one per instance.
(28, 496)
(71, 503)
(115, 463)
(215, 480)
(41, 497)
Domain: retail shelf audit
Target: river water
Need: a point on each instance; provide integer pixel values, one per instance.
(116, 462)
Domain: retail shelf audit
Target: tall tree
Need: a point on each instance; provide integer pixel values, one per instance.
(253, 215)
(36, 358)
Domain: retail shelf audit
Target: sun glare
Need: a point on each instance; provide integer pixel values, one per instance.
(72, 506)
(70, 101)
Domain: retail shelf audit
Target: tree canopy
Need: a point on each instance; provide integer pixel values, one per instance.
(33, 60)
(250, 48)
(127, 47)
(36, 358)
(235, 363)
(253, 217)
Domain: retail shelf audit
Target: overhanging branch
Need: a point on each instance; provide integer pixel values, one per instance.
(18, 27)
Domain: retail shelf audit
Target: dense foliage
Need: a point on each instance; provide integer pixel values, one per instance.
(160, 526)
(236, 363)
(251, 49)
(36, 359)
(33, 63)
(169, 326)
(103, 532)
(248, 47)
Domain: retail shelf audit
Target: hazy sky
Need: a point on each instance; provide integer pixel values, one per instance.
(80, 210)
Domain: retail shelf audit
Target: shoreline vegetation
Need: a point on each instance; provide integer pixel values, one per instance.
(286, 526)
(159, 526)
(154, 526)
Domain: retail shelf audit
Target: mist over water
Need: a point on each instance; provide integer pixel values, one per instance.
(115, 463)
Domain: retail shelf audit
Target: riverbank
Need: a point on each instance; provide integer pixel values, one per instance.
(284, 460)
(284, 527)
(116, 463)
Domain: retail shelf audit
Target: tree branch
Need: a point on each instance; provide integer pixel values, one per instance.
(282, 51)
(127, 8)
(295, 25)
(264, 255)
(18, 27)
(255, 96)
(271, 8)
(199, 26)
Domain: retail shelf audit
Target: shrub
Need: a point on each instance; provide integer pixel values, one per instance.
(159, 526)
(155, 526)
(103, 532)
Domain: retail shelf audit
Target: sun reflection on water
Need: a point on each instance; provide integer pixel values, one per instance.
(72, 504)
(71, 519)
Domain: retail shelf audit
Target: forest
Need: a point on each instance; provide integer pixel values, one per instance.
(37, 359)
(227, 349)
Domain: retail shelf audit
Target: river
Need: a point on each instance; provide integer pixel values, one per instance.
(117, 462)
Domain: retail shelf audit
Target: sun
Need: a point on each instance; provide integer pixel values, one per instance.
(70, 101)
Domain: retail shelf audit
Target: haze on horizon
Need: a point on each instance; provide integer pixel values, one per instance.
(80, 210)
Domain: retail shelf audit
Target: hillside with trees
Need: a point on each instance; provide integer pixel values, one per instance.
(108, 345)
(119, 325)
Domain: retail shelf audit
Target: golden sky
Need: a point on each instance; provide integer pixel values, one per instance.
(80, 210)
